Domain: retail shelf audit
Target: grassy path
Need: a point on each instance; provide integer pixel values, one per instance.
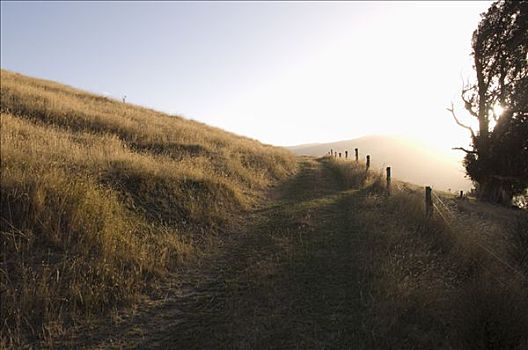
(293, 277)
(325, 266)
(297, 279)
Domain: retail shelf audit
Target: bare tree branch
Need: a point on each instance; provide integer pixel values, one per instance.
(465, 150)
(452, 110)
(468, 103)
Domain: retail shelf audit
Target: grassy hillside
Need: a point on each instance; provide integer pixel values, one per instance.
(332, 262)
(103, 202)
(410, 160)
(99, 197)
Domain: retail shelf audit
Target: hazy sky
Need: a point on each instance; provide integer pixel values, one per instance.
(283, 72)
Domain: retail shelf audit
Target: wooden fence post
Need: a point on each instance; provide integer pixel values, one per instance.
(428, 201)
(331, 152)
(461, 194)
(368, 162)
(346, 154)
(357, 155)
(389, 180)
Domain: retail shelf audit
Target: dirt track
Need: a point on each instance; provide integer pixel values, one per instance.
(303, 271)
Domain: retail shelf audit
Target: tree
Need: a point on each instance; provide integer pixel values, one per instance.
(498, 99)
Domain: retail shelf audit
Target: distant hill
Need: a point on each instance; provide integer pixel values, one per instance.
(410, 160)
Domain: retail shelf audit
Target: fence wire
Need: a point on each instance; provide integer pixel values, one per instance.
(453, 220)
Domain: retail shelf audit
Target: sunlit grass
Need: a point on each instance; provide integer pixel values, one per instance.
(459, 283)
(100, 200)
(100, 197)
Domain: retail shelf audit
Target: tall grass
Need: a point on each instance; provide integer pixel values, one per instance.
(440, 288)
(355, 175)
(100, 197)
(460, 283)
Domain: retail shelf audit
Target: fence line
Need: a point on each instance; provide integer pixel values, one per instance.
(449, 217)
(449, 224)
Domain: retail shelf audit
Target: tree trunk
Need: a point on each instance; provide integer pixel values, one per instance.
(495, 191)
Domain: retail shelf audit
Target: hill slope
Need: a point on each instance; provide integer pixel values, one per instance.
(102, 201)
(330, 261)
(409, 161)
(99, 197)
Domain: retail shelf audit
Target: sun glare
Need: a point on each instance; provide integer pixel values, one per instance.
(498, 110)
(494, 114)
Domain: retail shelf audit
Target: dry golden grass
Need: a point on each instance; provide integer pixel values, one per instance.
(100, 197)
(458, 282)
(336, 263)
